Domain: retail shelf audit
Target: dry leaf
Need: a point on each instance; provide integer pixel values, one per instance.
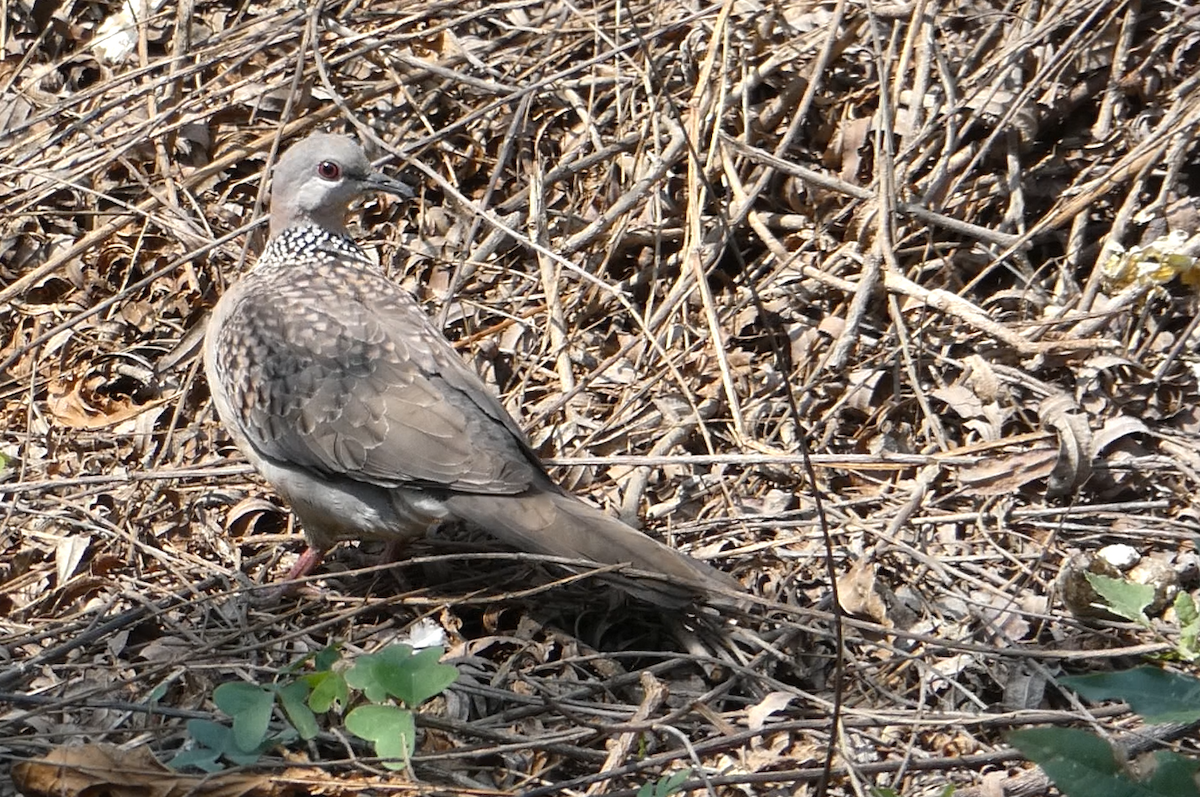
(1007, 474)
(757, 714)
(243, 518)
(859, 593)
(1116, 428)
(68, 554)
(1024, 690)
(982, 378)
(109, 770)
(78, 404)
(960, 399)
(1075, 447)
(1001, 614)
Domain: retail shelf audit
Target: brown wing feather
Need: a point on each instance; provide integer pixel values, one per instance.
(355, 381)
(549, 521)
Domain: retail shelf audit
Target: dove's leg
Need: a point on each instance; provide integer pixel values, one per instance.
(309, 561)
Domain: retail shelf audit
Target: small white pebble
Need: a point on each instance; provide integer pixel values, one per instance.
(426, 633)
(1120, 556)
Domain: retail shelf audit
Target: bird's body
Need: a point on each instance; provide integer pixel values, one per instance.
(340, 391)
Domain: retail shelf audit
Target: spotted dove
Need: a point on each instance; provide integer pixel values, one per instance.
(339, 390)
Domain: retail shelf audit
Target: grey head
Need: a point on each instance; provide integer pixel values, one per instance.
(318, 177)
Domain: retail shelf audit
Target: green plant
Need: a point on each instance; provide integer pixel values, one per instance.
(389, 685)
(666, 785)
(1123, 598)
(1084, 765)
(1188, 646)
(1129, 600)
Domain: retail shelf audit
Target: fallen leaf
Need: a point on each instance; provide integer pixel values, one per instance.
(110, 770)
(982, 378)
(1008, 474)
(859, 593)
(255, 515)
(960, 399)
(68, 554)
(1023, 690)
(1075, 446)
(757, 714)
(78, 404)
(1116, 428)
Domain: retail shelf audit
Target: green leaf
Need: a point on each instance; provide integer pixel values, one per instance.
(666, 785)
(1156, 695)
(1123, 598)
(396, 671)
(251, 707)
(669, 784)
(390, 730)
(1083, 765)
(209, 733)
(220, 739)
(210, 739)
(674, 781)
(1078, 762)
(419, 677)
(327, 657)
(1189, 626)
(292, 697)
(371, 670)
(1174, 774)
(201, 758)
(329, 689)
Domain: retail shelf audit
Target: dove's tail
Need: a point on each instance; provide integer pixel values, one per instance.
(554, 523)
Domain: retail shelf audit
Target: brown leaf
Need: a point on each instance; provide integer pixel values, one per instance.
(960, 399)
(1023, 690)
(254, 515)
(757, 714)
(1116, 428)
(859, 593)
(982, 378)
(78, 404)
(68, 553)
(1075, 446)
(1008, 474)
(107, 769)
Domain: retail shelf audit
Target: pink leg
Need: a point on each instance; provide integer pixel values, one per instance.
(392, 550)
(309, 561)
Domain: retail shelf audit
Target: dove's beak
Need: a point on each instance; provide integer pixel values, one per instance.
(378, 181)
